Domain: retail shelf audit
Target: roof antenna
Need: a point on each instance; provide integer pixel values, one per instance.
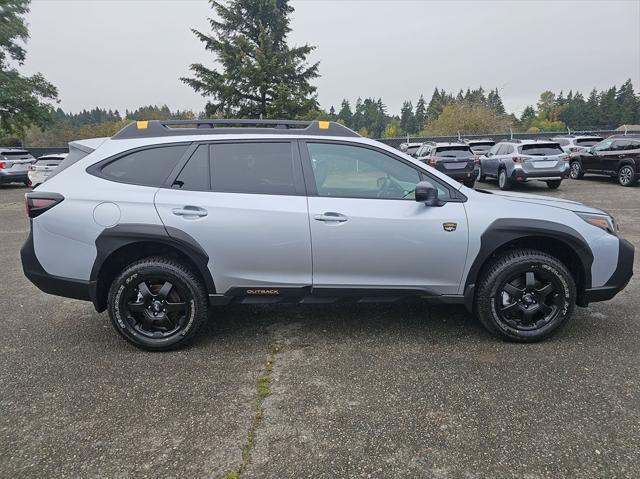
(459, 139)
(625, 130)
(569, 130)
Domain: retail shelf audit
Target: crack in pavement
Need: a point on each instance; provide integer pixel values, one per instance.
(263, 391)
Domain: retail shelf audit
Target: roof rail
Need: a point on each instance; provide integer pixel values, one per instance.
(163, 128)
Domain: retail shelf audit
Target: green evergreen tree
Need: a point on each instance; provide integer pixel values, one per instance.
(345, 114)
(259, 74)
(628, 104)
(435, 105)
(407, 118)
(24, 100)
(421, 113)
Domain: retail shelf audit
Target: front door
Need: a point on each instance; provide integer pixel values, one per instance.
(598, 157)
(244, 204)
(368, 231)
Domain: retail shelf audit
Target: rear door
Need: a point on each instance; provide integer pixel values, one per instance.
(367, 230)
(490, 162)
(244, 203)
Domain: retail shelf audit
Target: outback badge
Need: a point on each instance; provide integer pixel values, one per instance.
(449, 227)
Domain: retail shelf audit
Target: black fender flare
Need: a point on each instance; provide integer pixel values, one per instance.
(112, 239)
(503, 231)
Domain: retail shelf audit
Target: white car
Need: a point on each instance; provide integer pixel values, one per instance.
(42, 168)
(576, 143)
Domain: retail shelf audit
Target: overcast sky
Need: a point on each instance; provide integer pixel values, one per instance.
(123, 54)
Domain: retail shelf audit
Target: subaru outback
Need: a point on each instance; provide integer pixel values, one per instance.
(521, 161)
(163, 221)
(456, 160)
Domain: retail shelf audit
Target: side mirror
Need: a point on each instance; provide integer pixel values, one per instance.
(427, 193)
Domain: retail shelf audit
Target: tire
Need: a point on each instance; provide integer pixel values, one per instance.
(627, 175)
(469, 183)
(575, 170)
(554, 184)
(512, 289)
(503, 180)
(147, 316)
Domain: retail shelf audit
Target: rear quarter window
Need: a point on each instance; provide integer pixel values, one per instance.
(148, 167)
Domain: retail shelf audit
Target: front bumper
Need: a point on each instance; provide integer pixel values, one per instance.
(7, 176)
(67, 287)
(619, 279)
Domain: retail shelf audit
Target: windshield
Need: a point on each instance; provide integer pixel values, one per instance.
(454, 152)
(538, 149)
(588, 141)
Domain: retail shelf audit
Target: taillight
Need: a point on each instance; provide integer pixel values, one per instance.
(37, 203)
(518, 159)
(567, 158)
(3, 165)
(475, 159)
(433, 162)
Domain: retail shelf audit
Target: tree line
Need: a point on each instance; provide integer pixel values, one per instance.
(258, 75)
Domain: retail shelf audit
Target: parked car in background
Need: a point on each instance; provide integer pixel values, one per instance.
(576, 143)
(410, 148)
(618, 156)
(43, 167)
(480, 146)
(520, 161)
(14, 165)
(456, 160)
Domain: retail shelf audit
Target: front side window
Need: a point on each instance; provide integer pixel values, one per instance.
(603, 145)
(259, 168)
(493, 150)
(150, 167)
(355, 172)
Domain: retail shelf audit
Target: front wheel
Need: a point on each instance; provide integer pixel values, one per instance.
(525, 295)
(575, 170)
(627, 175)
(554, 184)
(503, 182)
(157, 304)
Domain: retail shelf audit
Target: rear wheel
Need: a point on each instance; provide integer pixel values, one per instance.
(503, 181)
(157, 304)
(525, 295)
(575, 170)
(627, 175)
(554, 184)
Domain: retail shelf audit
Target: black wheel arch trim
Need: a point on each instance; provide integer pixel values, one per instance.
(506, 230)
(119, 236)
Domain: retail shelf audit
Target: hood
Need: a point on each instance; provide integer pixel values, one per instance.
(570, 205)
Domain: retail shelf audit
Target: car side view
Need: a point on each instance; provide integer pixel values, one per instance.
(167, 219)
(521, 161)
(618, 156)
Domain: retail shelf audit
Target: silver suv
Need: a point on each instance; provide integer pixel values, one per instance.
(576, 143)
(161, 221)
(520, 161)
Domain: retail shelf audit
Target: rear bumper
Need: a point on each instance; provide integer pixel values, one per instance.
(67, 287)
(460, 174)
(619, 279)
(7, 176)
(518, 174)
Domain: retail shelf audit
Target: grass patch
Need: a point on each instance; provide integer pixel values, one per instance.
(263, 389)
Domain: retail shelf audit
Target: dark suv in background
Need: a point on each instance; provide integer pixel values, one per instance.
(456, 160)
(617, 156)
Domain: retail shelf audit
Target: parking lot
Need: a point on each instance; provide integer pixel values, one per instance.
(402, 390)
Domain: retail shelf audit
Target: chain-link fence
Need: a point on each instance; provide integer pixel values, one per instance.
(395, 142)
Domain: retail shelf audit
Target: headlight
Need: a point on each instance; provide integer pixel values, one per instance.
(604, 222)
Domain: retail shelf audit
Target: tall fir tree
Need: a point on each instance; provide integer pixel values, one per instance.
(345, 114)
(259, 74)
(421, 113)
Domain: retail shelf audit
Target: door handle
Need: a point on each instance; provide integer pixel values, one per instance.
(330, 216)
(189, 211)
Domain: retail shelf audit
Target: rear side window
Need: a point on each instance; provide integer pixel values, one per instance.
(541, 150)
(195, 175)
(260, 168)
(454, 152)
(149, 167)
(588, 141)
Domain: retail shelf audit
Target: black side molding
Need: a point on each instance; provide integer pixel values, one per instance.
(619, 279)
